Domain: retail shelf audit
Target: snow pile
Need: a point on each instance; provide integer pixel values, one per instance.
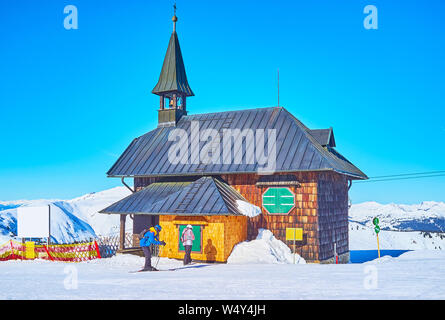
(248, 209)
(383, 259)
(421, 257)
(264, 249)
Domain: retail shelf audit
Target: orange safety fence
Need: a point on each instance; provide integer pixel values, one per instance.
(13, 250)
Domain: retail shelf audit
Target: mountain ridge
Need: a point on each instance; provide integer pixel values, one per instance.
(416, 226)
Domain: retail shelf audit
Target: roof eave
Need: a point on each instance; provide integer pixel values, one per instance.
(173, 213)
(358, 176)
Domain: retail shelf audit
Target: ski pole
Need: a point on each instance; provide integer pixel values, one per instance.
(159, 256)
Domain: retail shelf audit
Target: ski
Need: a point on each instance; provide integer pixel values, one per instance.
(142, 270)
(188, 266)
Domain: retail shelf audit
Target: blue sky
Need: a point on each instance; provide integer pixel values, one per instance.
(72, 100)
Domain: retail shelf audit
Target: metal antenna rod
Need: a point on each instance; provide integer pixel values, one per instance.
(278, 87)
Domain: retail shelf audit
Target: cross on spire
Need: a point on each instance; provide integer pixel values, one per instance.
(175, 18)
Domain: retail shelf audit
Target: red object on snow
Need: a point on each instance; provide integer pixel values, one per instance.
(49, 256)
(97, 250)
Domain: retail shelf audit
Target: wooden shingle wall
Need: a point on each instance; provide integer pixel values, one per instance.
(235, 231)
(219, 235)
(321, 210)
(333, 214)
(304, 215)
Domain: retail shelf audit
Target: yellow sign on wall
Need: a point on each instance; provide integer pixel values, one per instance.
(294, 234)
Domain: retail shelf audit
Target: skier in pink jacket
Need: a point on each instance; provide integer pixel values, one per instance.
(187, 238)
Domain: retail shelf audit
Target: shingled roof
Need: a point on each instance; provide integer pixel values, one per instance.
(205, 196)
(324, 136)
(296, 148)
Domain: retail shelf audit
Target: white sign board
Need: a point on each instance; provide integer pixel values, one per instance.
(33, 222)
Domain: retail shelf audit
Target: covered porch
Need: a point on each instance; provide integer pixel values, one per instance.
(207, 203)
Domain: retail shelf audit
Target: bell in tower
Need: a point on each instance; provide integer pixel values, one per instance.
(172, 85)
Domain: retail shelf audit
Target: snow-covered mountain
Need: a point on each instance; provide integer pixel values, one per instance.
(419, 226)
(71, 220)
(428, 216)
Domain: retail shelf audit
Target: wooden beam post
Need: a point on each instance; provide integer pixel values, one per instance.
(161, 102)
(175, 101)
(122, 232)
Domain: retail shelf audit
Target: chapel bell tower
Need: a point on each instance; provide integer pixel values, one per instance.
(172, 87)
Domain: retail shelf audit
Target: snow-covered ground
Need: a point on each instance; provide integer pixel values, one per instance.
(259, 269)
(413, 275)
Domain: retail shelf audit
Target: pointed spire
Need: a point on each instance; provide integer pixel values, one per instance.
(173, 79)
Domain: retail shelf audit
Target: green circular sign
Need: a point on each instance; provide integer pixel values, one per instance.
(375, 221)
(278, 200)
(377, 229)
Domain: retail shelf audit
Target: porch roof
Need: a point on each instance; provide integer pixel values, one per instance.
(205, 196)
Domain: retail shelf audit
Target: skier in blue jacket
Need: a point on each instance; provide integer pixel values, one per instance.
(150, 237)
